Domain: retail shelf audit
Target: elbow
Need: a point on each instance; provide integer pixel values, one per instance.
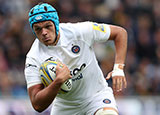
(39, 109)
(123, 32)
(122, 35)
(118, 33)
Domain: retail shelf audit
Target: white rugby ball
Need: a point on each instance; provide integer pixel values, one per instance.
(47, 73)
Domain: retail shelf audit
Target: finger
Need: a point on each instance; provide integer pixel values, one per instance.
(117, 84)
(114, 84)
(58, 68)
(70, 76)
(58, 64)
(120, 84)
(109, 76)
(124, 82)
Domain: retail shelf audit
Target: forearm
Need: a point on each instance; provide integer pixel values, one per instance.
(42, 98)
(119, 36)
(121, 47)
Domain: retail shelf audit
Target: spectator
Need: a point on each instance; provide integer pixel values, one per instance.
(140, 18)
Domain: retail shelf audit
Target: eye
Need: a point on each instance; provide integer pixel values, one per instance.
(37, 29)
(48, 26)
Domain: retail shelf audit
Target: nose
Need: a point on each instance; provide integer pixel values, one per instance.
(44, 31)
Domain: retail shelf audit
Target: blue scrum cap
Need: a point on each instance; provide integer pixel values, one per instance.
(44, 12)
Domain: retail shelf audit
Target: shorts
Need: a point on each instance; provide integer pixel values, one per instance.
(104, 98)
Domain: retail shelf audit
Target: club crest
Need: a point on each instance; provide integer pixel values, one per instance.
(106, 101)
(75, 49)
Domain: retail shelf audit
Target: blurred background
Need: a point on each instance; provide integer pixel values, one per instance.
(141, 19)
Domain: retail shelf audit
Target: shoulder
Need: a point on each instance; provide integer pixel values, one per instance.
(34, 54)
(76, 29)
(75, 26)
(34, 48)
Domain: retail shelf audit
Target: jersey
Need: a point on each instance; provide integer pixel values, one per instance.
(75, 49)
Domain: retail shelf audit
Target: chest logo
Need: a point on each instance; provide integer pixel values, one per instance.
(107, 101)
(75, 49)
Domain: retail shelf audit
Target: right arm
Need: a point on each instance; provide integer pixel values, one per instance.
(42, 97)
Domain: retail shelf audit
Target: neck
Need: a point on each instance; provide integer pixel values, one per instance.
(56, 39)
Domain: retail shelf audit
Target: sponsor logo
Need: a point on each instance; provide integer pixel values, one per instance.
(80, 76)
(50, 59)
(77, 71)
(30, 65)
(106, 101)
(75, 49)
(38, 17)
(99, 27)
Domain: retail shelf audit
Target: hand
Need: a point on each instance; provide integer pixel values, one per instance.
(62, 72)
(119, 82)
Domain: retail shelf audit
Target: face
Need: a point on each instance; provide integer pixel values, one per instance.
(45, 31)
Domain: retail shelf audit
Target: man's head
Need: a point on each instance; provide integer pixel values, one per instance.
(43, 13)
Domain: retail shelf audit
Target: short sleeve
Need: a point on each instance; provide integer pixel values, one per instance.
(101, 32)
(91, 32)
(31, 72)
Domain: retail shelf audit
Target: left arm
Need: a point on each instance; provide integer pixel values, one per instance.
(119, 36)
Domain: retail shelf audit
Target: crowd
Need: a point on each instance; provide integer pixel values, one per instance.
(139, 17)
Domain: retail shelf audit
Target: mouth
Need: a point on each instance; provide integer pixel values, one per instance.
(46, 39)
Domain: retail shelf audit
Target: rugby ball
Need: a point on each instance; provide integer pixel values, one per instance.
(47, 74)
